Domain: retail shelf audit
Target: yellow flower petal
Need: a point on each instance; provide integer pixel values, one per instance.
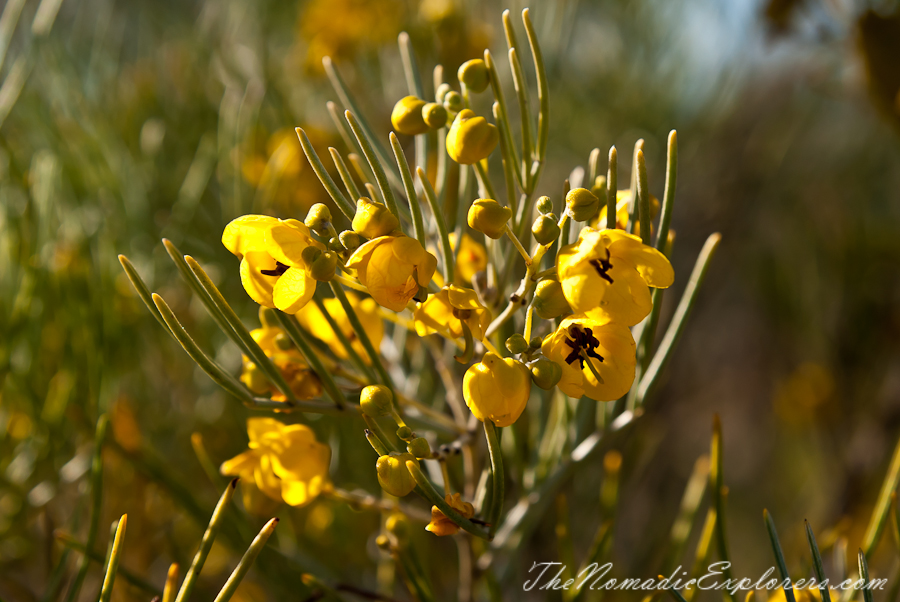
(258, 285)
(293, 290)
(247, 233)
(286, 241)
(241, 464)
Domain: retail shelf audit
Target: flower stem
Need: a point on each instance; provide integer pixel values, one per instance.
(113, 564)
(612, 177)
(243, 566)
(518, 245)
(438, 215)
(414, 208)
(499, 486)
(372, 158)
(485, 187)
(435, 498)
(298, 336)
(669, 197)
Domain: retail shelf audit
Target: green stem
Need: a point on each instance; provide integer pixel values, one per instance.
(717, 484)
(209, 536)
(414, 208)
(524, 114)
(438, 216)
(71, 543)
(499, 487)
(345, 342)
(346, 176)
(246, 561)
(435, 498)
(363, 337)
(113, 564)
(374, 162)
(669, 197)
(346, 207)
(503, 118)
(779, 557)
(643, 193)
(485, 187)
(543, 99)
(414, 83)
(612, 182)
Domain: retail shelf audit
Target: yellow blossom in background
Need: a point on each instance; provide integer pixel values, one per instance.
(597, 357)
(311, 318)
(497, 389)
(623, 198)
(285, 462)
(272, 270)
(607, 272)
(290, 362)
(448, 309)
(441, 525)
(471, 257)
(392, 268)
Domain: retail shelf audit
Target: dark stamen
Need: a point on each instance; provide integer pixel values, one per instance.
(603, 266)
(582, 340)
(280, 269)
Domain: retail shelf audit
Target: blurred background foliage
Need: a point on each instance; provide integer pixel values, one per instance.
(121, 123)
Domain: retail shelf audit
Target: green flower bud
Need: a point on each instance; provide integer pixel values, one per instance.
(535, 342)
(310, 254)
(545, 205)
(373, 219)
(350, 240)
(419, 448)
(376, 400)
(545, 373)
(549, 301)
(435, 115)
(407, 116)
(474, 74)
(383, 542)
(318, 218)
(404, 433)
(393, 475)
(283, 342)
(582, 204)
(471, 138)
(545, 229)
(334, 243)
(599, 187)
(516, 344)
(441, 93)
(398, 525)
(489, 217)
(453, 101)
(322, 269)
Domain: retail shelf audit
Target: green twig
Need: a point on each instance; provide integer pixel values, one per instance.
(438, 216)
(346, 207)
(779, 557)
(246, 562)
(113, 564)
(499, 483)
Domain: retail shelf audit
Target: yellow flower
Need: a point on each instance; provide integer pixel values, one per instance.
(284, 461)
(272, 270)
(586, 349)
(407, 116)
(471, 138)
(497, 389)
(489, 217)
(392, 268)
(290, 362)
(311, 318)
(440, 525)
(448, 309)
(373, 219)
(623, 197)
(471, 257)
(607, 272)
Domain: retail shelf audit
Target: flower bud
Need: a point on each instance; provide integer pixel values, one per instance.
(489, 217)
(599, 187)
(549, 301)
(545, 373)
(453, 101)
(535, 342)
(310, 254)
(544, 204)
(404, 433)
(350, 240)
(398, 525)
(474, 74)
(441, 93)
(373, 219)
(407, 116)
(582, 204)
(497, 389)
(516, 344)
(435, 115)
(318, 218)
(383, 542)
(376, 400)
(471, 138)
(323, 267)
(419, 448)
(545, 229)
(393, 475)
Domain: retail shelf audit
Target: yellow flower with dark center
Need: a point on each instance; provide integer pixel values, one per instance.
(597, 357)
(304, 383)
(448, 309)
(284, 461)
(497, 389)
(311, 319)
(623, 198)
(272, 268)
(440, 525)
(392, 268)
(607, 272)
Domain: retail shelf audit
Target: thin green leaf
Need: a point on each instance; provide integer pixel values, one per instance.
(246, 562)
(669, 197)
(818, 565)
(787, 584)
(113, 564)
(346, 207)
